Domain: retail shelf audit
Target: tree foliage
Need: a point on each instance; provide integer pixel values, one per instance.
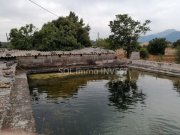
(176, 44)
(125, 32)
(22, 38)
(103, 43)
(65, 33)
(144, 54)
(157, 46)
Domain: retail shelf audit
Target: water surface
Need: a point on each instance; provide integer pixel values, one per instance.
(135, 103)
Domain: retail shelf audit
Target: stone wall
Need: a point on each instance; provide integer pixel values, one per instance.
(157, 67)
(15, 100)
(63, 60)
(135, 56)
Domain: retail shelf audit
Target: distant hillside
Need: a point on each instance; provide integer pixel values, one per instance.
(171, 35)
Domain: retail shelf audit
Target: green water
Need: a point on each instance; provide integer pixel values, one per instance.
(135, 103)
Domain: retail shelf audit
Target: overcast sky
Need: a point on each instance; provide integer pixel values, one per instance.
(164, 14)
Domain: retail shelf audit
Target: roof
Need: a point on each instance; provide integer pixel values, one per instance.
(21, 53)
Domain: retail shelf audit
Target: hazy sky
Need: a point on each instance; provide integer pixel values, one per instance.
(164, 14)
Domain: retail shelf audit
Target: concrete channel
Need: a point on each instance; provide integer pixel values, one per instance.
(15, 101)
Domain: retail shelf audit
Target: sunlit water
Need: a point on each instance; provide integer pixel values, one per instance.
(137, 103)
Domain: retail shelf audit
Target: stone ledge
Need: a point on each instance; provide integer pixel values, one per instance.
(19, 115)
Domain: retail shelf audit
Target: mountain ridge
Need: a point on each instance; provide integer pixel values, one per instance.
(171, 35)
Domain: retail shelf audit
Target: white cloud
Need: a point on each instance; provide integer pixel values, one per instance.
(96, 13)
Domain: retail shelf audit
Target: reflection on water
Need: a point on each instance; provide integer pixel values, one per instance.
(57, 88)
(129, 102)
(124, 94)
(177, 85)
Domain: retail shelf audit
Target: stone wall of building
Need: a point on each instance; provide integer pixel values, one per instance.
(63, 60)
(33, 58)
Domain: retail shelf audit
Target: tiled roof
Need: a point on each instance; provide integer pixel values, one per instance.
(20, 53)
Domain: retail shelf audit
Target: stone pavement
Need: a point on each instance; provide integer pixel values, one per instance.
(7, 76)
(15, 100)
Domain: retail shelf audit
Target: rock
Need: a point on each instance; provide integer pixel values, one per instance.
(5, 85)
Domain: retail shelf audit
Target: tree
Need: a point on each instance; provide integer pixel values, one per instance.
(176, 44)
(157, 46)
(125, 32)
(22, 38)
(103, 43)
(65, 33)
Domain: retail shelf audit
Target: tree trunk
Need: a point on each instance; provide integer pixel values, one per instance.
(128, 54)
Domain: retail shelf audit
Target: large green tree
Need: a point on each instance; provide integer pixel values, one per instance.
(22, 38)
(125, 32)
(65, 33)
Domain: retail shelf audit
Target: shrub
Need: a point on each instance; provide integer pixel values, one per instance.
(178, 55)
(159, 58)
(144, 54)
(157, 46)
(176, 44)
(103, 43)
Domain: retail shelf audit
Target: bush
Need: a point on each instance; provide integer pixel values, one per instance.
(103, 43)
(178, 55)
(159, 58)
(144, 54)
(157, 46)
(176, 44)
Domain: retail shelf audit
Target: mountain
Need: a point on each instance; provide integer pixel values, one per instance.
(171, 35)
